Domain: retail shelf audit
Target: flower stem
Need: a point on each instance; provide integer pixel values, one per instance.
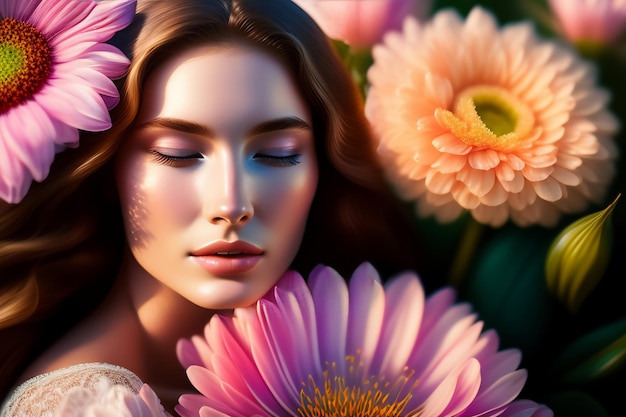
(465, 252)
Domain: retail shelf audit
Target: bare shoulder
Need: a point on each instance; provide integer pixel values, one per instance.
(109, 337)
(42, 395)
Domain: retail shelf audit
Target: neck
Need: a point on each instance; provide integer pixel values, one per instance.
(163, 317)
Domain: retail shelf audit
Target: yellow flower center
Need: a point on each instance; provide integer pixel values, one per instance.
(25, 62)
(374, 396)
(488, 116)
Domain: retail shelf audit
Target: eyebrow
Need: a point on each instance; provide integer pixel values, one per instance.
(177, 124)
(185, 126)
(282, 123)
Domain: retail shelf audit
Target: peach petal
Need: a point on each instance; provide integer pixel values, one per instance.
(495, 197)
(548, 189)
(439, 183)
(484, 160)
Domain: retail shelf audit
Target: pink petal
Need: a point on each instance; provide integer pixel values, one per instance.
(436, 304)
(187, 352)
(500, 363)
(233, 362)
(14, 179)
(505, 390)
(75, 104)
(486, 346)
(449, 347)
(275, 381)
(100, 83)
(225, 355)
(330, 296)
(189, 404)
(83, 21)
(153, 407)
(20, 10)
(52, 17)
(100, 57)
(526, 408)
(441, 397)
(468, 383)
(278, 371)
(108, 17)
(65, 136)
(365, 317)
(296, 302)
(194, 405)
(449, 324)
(404, 307)
(27, 133)
(216, 391)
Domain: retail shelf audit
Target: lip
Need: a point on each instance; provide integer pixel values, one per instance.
(227, 258)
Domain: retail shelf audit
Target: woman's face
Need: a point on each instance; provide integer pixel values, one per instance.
(217, 177)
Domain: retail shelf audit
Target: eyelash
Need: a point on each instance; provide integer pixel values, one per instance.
(286, 161)
(280, 161)
(172, 159)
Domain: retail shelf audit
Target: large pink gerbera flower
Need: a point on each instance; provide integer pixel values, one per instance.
(358, 350)
(55, 79)
(494, 121)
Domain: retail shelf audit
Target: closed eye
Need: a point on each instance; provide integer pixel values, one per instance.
(278, 161)
(167, 159)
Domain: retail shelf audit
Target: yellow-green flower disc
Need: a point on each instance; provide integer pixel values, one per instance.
(25, 62)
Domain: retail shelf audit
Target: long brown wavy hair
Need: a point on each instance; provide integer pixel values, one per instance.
(60, 248)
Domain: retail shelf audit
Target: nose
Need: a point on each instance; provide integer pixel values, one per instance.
(228, 200)
(234, 215)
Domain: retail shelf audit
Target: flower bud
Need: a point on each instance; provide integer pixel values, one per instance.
(579, 256)
(590, 24)
(362, 23)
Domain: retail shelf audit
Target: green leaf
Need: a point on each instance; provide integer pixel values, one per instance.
(507, 287)
(575, 404)
(595, 355)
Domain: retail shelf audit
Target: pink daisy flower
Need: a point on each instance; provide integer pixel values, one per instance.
(595, 21)
(55, 79)
(493, 121)
(332, 348)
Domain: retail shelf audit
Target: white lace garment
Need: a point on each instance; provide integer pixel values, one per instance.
(92, 389)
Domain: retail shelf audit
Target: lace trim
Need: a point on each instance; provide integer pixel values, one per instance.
(42, 395)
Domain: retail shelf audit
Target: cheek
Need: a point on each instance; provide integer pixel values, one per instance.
(286, 201)
(153, 202)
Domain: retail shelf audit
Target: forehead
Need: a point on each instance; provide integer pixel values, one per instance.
(222, 81)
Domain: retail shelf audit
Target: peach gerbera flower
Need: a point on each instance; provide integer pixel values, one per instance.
(492, 120)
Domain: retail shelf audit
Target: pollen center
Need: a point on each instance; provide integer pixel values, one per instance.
(25, 62)
(488, 116)
(351, 395)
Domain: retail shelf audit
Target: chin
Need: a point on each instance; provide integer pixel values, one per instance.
(228, 297)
